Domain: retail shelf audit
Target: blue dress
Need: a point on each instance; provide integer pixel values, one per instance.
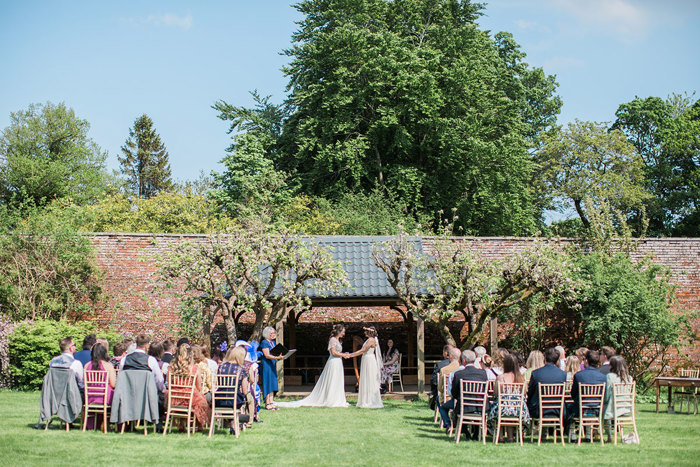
(269, 370)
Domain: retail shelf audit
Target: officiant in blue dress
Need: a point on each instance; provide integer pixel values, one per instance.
(269, 367)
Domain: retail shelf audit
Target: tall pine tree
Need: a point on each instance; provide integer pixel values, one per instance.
(145, 160)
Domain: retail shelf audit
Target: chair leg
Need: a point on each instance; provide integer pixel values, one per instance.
(483, 431)
(561, 428)
(86, 412)
(498, 431)
(539, 435)
(459, 432)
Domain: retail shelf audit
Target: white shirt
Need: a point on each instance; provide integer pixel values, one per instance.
(67, 360)
(153, 365)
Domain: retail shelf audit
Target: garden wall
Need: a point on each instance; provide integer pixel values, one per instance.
(136, 302)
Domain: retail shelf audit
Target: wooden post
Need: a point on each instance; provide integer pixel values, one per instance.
(410, 331)
(292, 330)
(420, 341)
(493, 335)
(280, 363)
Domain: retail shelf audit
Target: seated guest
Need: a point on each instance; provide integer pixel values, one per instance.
(535, 361)
(119, 351)
(548, 374)
(66, 360)
(581, 355)
(155, 350)
(486, 363)
(572, 367)
(606, 353)
(213, 366)
(562, 357)
(454, 356)
(84, 355)
(589, 375)
(469, 373)
(497, 364)
(140, 360)
(436, 373)
(183, 364)
(480, 351)
(521, 362)
(618, 374)
(217, 355)
(100, 362)
(233, 364)
(511, 374)
(167, 350)
(182, 340)
(390, 364)
(204, 370)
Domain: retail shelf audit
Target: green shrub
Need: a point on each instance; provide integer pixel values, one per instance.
(34, 343)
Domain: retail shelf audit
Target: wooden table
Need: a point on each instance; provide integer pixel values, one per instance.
(671, 382)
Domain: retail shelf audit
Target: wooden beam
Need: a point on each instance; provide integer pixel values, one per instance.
(420, 341)
(280, 363)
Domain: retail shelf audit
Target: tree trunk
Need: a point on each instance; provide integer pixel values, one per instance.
(230, 323)
(258, 327)
(579, 210)
(445, 333)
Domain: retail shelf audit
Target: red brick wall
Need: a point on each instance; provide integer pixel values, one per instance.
(136, 302)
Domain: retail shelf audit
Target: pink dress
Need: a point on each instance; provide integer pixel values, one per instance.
(96, 398)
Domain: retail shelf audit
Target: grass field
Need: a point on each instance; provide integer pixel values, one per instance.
(400, 434)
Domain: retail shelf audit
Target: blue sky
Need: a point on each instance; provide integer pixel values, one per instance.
(112, 61)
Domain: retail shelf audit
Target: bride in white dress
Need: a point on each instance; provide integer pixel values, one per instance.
(369, 396)
(330, 387)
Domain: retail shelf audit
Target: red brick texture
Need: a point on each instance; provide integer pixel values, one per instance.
(137, 302)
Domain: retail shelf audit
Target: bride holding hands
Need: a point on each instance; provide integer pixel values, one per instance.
(369, 396)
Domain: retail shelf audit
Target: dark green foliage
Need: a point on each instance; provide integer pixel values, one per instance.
(45, 154)
(145, 160)
(627, 306)
(667, 135)
(34, 343)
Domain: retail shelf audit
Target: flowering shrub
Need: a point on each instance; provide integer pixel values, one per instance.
(6, 327)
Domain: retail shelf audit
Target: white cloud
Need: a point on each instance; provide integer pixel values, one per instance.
(167, 19)
(630, 21)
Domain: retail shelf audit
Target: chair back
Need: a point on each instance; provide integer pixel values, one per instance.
(474, 396)
(95, 384)
(623, 397)
(568, 399)
(226, 390)
(398, 368)
(491, 388)
(511, 396)
(446, 393)
(689, 373)
(180, 390)
(551, 398)
(590, 396)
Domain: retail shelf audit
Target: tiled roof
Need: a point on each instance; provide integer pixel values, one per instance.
(355, 254)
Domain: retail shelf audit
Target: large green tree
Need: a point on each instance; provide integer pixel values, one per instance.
(411, 97)
(667, 135)
(144, 160)
(46, 154)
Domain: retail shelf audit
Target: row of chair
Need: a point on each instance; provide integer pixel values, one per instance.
(476, 395)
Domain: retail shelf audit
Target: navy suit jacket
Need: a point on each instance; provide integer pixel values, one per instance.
(469, 373)
(548, 374)
(588, 375)
(605, 369)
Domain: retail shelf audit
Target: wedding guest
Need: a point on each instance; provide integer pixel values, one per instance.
(183, 364)
(233, 364)
(548, 374)
(182, 340)
(155, 350)
(105, 344)
(581, 354)
(66, 360)
(390, 363)
(84, 355)
(140, 360)
(119, 351)
(100, 362)
(447, 370)
(217, 355)
(213, 365)
(572, 367)
(480, 352)
(619, 373)
(204, 370)
(269, 368)
(511, 374)
(167, 350)
(486, 363)
(497, 365)
(589, 375)
(521, 362)
(469, 373)
(535, 361)
(436, 374)
(562, 357)
(606, 353)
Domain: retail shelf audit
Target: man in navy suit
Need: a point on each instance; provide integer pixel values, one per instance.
(548, 374)
(469, 373)
(606, 353)
(589, 375)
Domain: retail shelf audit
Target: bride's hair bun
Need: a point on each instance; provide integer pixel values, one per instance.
(370, 331)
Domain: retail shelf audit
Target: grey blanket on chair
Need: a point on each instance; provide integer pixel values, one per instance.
(135, 397)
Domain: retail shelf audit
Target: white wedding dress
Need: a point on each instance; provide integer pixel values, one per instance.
(369, 396)
(330, 387)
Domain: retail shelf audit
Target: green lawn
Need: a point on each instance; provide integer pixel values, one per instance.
(400, 434)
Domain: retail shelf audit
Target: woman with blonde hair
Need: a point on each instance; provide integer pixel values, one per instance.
(572, 366)
(183, 364)
(204, 370)
(535, 361)
(233, 365)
